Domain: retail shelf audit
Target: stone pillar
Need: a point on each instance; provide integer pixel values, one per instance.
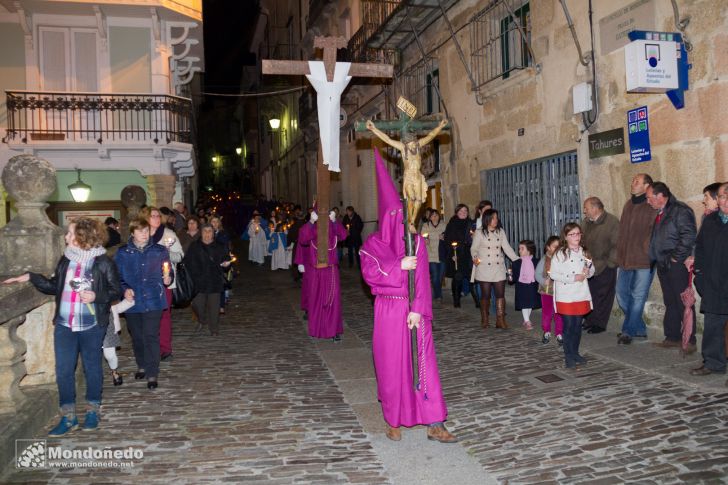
(39, 357)
(133, 198)
(29, 242)
(161, 189)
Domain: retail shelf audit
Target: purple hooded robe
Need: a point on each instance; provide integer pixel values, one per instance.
(381, 257)
(302, 256)
(323, 290)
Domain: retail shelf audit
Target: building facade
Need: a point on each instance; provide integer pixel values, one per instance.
(101, 87)
(504, 73)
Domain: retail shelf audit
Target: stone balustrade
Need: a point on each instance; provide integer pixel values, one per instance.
(29, 242)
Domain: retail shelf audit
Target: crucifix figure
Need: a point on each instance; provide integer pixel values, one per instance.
(414, 185)
(329, 78)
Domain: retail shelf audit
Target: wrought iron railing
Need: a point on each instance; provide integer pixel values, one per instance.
(96, 117)
(500, 37)
(359, 52)
(376, 12)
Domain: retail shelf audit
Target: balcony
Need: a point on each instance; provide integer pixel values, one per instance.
(97, 118)
(360, 52)
(395, 22)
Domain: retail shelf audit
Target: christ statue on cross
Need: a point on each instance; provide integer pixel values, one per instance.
(414, 185)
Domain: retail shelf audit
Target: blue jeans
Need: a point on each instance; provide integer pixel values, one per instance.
(436, 270)
(66, 346)
(572, 339)
(633, 286)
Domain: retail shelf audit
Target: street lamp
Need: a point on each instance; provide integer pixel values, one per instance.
(214, 159)
(79, 190)
(275, 123)
(238, 151)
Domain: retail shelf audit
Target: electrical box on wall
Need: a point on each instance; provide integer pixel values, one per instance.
(651, 65)
(581, 96)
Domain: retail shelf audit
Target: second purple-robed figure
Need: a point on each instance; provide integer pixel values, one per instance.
(322, 290)
(382, 268)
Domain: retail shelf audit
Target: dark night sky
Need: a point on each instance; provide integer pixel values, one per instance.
(228, 27)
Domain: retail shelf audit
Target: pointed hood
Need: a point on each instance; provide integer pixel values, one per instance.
(387, 194)
(389, 237)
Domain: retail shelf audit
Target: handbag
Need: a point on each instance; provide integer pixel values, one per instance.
(185, 290)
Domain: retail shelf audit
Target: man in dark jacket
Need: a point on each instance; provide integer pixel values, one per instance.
(673, 237)
(354, 226)
(711, 266)
(601, 232)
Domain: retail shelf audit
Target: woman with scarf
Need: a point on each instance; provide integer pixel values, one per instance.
(489, 245)
(146, 271)
(458, 237)
(524, 277)
(85, 283)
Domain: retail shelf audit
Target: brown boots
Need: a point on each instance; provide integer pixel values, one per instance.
(484, 313)
(500, 316)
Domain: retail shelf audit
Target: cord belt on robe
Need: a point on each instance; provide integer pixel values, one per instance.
(420, 350)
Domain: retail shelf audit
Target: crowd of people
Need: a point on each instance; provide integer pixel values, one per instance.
(100, 277)
(574, 282)
(588, 264)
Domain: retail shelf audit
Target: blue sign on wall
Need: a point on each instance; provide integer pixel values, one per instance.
(639, 135)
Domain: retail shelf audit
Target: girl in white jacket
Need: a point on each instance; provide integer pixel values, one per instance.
(570, 268)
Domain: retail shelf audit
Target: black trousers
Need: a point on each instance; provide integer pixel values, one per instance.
(602, 288)
(714, 357)
(674, 280)
(144, 330)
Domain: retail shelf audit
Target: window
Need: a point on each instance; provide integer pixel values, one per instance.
(500, 37)
(68, 59)
(536, 198)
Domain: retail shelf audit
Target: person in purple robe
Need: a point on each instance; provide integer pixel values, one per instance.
(323, 291)
(385, 267)
(302, 259)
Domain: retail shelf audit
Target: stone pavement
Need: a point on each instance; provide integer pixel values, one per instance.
(264, 403)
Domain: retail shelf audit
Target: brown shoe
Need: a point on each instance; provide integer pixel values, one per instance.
(394, 434)
(701, 371)
(500, 315)
(441, 434)
(692, 348)
(668, 344)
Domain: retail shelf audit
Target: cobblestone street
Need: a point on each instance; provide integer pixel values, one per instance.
(265, 403)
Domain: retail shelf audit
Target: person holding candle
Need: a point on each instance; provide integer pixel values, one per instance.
(256, 233)
(146, 272)
(570, 269)
(81, 316)
(354, 227)
(458, 240)
(490, 244)
(434, 233)
(206, 261)
(159, 233)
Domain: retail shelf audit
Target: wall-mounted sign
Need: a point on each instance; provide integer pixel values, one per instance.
(639, 135)
(613, 28)
(651, 64)
(606, 143)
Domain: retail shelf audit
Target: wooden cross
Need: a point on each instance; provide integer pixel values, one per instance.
(300, 68)
(403, 125)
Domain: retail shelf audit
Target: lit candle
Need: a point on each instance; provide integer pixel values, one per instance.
(455, 250)
(233, 258)
(426, 235)
(165, 269)
(348, 226)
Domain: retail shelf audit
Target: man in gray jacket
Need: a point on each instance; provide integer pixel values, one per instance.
(673, 237)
